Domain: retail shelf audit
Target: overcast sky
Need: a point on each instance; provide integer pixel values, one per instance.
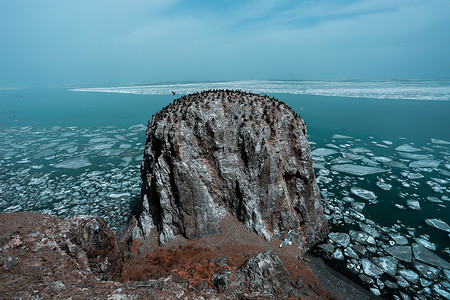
(121, 42)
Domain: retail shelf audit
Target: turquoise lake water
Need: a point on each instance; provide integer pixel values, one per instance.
(67, 152)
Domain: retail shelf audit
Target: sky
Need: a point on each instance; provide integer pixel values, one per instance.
(91, 42)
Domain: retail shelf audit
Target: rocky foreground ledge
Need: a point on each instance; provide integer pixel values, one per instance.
(42, 257)
(227, 176)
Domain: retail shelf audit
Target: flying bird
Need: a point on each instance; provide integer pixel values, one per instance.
(173, 93)
(287, 240)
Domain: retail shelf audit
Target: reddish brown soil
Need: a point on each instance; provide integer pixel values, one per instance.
(197, 260)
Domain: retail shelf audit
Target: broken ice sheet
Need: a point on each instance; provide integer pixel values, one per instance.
(413, 204)
(323, 152)
(356, 169)
(365, 194)
(407, 148)
(426, 256)
(73, 163)
(438, 141)
(339, 136)
(387, 263)
(426, 163)
(438, 223)
(383, 185)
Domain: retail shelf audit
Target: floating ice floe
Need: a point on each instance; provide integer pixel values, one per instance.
(399, 239)
(382, 159)
(362, 193)
(387, 142)
(359, 206)
(369, 229)
(427, 271)
(383, 185)
(409, 275)
(428, 257)
(362, 237)
(99, 147)
(427, 244)
(387, 264)
(119, 195)
(73, 163)
(438, 223)
(342, 239)
(110, 152)
(360, 150)
(414, 156)
(400, 252)
(357, 169)
(337, 254)
(426, 163)
(413, 204)
(407, 148)
(323, 152)
(438, 141)
(371, 269)
(339, 136)
(440, 180)
(102, 140)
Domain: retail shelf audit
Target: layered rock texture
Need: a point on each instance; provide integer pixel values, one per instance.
(219, 153)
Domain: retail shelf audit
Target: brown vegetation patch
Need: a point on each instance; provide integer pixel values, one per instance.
(188, 262)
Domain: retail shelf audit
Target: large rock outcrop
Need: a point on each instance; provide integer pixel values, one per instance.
(217, 153)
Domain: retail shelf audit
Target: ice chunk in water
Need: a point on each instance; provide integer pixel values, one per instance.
(362, 237)
(438, 223)
(384, 186)
(357, 169)
(438, 141)
(119, 195)
(428, 257)
(98, 147)
(407, 148)
(339, 136)
(370, 268)
(101, 140)
(441, 291)
(110, 152)
(414, 156)
(426, 163)
(369, 229)
(323, 152)
(413, 204)
(342, 239)
(440, 180)
(427, 244)
(382, 159)
(338, 254)
(409, 275)
(400, 252)
(399, 239)
(359, 206)
(387, 263)
(73, 163)
(427, 271)
(365, 194)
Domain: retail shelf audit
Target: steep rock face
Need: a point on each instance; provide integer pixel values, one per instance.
(215, 153)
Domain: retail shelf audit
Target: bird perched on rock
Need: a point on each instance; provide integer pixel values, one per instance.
(287, 240)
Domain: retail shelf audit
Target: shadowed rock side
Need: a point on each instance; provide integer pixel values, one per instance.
(217, 153)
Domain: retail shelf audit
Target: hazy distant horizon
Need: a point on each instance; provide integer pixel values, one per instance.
(101, 42)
